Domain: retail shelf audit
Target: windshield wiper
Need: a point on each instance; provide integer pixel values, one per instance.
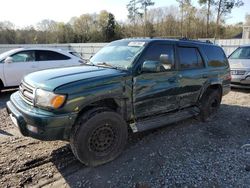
(107, 65)
(90, 63)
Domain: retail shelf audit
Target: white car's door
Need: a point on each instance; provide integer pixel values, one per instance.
(24, 62)
(50, 59)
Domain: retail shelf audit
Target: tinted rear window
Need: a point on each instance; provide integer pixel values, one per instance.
(190, 58)
(216, 56)
(44, 55)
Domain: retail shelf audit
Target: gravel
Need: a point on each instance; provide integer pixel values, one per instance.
(186, 154)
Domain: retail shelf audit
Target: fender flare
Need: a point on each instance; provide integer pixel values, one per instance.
(210, 84)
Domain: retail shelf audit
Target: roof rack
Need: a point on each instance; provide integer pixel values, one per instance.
(136, 38)
(177, 38)
(187, 39)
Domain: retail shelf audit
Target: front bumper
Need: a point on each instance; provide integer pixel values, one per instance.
(240, 81)
(49, 126)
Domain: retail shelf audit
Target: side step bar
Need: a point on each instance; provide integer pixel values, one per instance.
(164, 119)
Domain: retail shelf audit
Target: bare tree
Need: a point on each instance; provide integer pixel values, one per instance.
(144, 6)
(133, 8)
(223, 8)
(182, 5)
(208, 3)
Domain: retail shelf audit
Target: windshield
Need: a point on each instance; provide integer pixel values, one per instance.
(241, 53)
(119, 54)
(8, 53)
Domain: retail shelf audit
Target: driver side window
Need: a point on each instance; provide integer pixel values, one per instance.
(154, 52)
(25, 56)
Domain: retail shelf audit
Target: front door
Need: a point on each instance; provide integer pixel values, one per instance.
(23, 63)
(156, 93)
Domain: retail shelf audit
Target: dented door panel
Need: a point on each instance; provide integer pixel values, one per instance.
(155, 93)
(191, 82)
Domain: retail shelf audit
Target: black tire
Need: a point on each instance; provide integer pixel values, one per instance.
(98, 137)
(209, 104)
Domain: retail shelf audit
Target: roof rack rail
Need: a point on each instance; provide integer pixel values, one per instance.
(136, 38)
(187, 39)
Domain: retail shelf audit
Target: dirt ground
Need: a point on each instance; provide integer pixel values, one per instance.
(185, 154)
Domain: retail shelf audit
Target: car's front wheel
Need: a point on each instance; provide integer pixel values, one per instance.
(98, 137)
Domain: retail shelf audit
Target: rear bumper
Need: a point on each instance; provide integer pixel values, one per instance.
(239, 85)
(240, 81)
(48, 126)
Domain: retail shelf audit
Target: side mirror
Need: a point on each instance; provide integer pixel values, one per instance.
(8, 60)
(164, 59)
(151, 66)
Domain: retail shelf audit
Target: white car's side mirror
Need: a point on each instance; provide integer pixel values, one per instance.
(8, 60)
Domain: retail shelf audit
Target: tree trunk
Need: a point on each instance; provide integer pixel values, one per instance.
(218, 19)
(134, 20)
(145, 21)
(182, 19)
(208, 14)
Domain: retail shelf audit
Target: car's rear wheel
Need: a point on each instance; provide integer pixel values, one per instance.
(209, 104)
(98, 137)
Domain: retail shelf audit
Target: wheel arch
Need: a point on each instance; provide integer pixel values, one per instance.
(212, 86)
(115, 104)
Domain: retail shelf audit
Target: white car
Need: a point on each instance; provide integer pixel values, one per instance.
(240, 67)
(15, 64)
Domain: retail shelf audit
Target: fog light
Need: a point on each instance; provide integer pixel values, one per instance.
(32, 128)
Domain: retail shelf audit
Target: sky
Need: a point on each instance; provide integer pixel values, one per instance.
(29, 12)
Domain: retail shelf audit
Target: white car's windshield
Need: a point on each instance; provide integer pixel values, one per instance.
(8, 53)
(241, 53)
(118, 54)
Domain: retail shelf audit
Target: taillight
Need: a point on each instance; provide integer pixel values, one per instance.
(228, 77)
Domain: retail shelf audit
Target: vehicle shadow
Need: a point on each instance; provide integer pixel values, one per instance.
(163, 154)
(5, 96)
(240, 90)
(2, 132)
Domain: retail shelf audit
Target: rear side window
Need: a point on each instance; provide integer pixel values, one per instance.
(216, 56)
(190, 58)
(45, 55)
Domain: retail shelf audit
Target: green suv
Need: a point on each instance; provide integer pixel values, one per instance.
(135, 84)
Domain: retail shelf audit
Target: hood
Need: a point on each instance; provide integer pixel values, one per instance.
(53, 78)
(239, 63)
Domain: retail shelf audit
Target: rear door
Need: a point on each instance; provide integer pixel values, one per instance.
(24, 62)
(50, 59)
(156, 93)
(192, 74)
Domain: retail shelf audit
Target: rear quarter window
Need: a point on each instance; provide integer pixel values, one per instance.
(46, 55)
(216, 56)
(190, 58)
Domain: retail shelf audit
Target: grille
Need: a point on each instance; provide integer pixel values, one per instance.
(27, 93)
(238, 72)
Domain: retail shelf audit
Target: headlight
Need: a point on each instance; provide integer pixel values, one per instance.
(48, 99)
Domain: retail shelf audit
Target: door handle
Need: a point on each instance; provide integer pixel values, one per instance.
(172, 79)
